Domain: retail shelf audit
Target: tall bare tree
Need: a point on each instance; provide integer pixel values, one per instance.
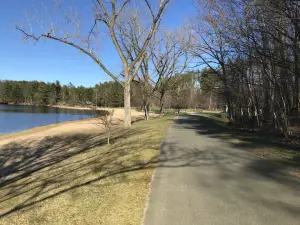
(166, 56)
(211, 47)
(113, 15)
(170, 57)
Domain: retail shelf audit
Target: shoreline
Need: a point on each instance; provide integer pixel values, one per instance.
(67, 107)
(40, 128)
(81, 107)
(86, 125)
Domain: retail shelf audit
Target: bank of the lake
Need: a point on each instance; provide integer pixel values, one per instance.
(87, 125)
(80, 107)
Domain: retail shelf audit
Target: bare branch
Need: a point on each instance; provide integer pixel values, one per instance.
(65, 41)
(150, 9)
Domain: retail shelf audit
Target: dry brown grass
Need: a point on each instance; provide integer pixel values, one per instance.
(78, 179)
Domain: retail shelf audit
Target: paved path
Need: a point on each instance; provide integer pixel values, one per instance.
(203, 180)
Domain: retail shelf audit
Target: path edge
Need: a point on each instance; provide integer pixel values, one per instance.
(154, 172)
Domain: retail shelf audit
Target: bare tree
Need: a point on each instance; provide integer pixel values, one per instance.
(146, 85)
(212, 49)
(166, 56)
(112, 15)
(131, 44)
(170, 57)
(107, 121)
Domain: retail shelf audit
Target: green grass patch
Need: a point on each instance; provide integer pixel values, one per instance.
(220, 118)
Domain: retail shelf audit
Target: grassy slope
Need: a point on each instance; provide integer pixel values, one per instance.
(263, 144)
(79, 179)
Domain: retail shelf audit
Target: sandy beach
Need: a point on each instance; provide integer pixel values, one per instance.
(92, 125)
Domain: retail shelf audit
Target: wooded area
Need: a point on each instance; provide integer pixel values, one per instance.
(253, 48)
(108, 94)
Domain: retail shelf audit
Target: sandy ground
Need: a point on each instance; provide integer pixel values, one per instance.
(93, 125)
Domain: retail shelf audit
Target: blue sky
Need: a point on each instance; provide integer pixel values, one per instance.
(49, 61)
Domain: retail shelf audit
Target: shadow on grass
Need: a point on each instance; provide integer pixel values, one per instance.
(34, 172)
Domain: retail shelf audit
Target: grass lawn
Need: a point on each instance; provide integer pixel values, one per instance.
(78, 179)
(264, 144)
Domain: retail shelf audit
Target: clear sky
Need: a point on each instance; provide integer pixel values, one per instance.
(49, 61)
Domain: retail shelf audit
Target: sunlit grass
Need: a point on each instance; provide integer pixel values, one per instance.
(79, 179)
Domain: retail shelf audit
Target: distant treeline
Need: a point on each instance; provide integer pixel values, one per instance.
(181, 91)
(107, 94)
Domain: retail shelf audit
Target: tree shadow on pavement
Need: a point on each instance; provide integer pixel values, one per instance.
(228, 171)
(232, 175)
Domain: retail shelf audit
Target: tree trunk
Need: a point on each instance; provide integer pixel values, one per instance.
(229, 108)
(161, 104)
(297, 72)
(108, 138)
(146, 111)
(210, 101)
(296, 95)
(229, 111)
(127, 106)
(161, 109)
(241, 117)
(285, 121)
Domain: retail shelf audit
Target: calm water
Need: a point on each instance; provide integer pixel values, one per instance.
(18, 117)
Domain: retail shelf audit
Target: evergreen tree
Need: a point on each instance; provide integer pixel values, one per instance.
(16, 93)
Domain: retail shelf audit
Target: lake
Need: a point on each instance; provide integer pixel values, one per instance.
(15, 118)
